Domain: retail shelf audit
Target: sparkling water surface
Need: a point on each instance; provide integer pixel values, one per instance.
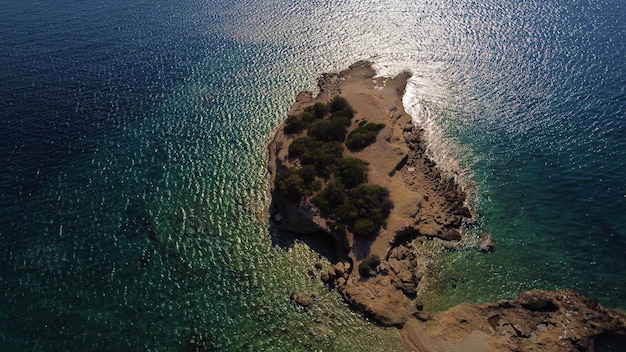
(133, 184)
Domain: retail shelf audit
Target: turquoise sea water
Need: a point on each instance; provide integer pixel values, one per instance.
(133, 185)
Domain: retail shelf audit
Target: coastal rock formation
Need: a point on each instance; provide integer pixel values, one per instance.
(383, 275)
(537, 320)
(485, 242)
(426, 203)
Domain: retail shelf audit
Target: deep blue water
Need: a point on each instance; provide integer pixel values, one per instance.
(133, 186)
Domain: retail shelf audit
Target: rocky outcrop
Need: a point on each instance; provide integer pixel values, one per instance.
(426, 202)
(485, 242)
(427, 205)
(537, 320)
(389, 294)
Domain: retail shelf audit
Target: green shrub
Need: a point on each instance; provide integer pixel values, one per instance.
(340, 118)
(307, 118)
(297, 123)
(320, 110)
(315, 186)
(303, 145)
(363, 208)
(372, 127)
(346, 213)
(328, 130)
(294, 183)
(293, 124)
(352, 171)
(307, 172)
(324, 158)
(371, 202)
(322, 155)
(363, 136)
(364, 228)
(358, 141)
(331, 196)
(368, 265)
(290, 184)
(337, 227)
(339, 103)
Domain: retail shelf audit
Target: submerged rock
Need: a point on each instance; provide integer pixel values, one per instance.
(485, 242)
(303, 302)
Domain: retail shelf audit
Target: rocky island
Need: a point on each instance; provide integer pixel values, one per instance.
(349, 167)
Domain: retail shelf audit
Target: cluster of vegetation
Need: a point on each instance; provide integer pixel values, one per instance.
(347, 200)
(319, 118)
(363, 209)
(364, 135)
(323, 156)
(295, 183)
(368, 265)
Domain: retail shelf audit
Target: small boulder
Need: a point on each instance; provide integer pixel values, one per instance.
(537, 301)
(340, 269)
(429, 229)
(419, 305)
(303, 302)
(450, 235)
(406, 276)
(401, 252)
(332, 273)
(399, 265)
(383, 268)
(325, 277)
(341, 281)
(485, 242)
(409, 288)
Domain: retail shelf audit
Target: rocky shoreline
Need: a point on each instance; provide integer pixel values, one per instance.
(384, 276)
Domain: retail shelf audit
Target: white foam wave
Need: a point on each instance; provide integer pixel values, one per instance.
(425, 102)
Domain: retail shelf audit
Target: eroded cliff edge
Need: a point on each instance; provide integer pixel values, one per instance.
(384, 274)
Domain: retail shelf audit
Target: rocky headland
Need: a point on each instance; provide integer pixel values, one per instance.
(380, 263)
(562, 320)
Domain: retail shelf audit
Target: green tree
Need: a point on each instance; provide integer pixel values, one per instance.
(339, 103)
(368, 265)
(320, 110)
(364, 228)
(363, 136)
(293, 124)
(290, 185)
(352, 171)
(331, 196)
(328, 130)
(371, 201)
(303, 145)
